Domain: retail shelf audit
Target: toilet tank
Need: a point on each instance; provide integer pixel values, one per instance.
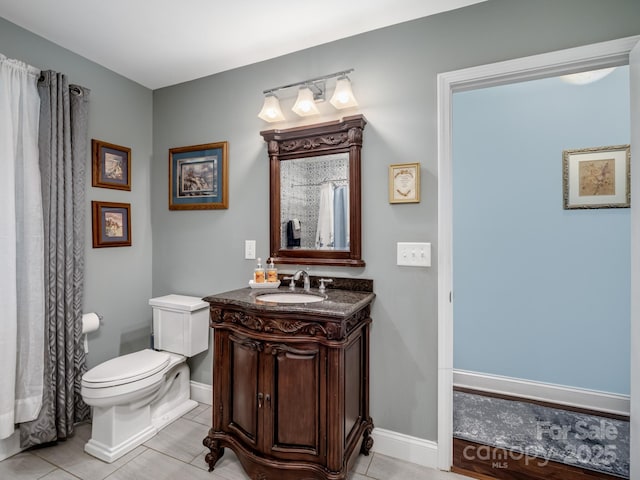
(180, 324)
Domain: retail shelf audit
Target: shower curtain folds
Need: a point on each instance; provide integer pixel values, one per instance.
(21, 248)
(63, 140)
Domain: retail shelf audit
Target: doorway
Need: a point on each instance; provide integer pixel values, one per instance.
(590, 57)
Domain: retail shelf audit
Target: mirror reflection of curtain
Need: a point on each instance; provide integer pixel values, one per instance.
(341, 217)
(21, 247)
(63, 153)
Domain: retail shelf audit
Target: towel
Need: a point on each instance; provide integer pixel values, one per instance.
(324, 232)
(291, 241)
(297, 229)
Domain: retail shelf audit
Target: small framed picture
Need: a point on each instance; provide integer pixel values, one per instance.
(111, 224)
(111, 166)
(198, 177)
(404, 183)
(598, 177)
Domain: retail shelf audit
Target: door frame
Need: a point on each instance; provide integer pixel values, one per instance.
(589, 57)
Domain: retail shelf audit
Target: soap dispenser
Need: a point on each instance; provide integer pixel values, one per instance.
(272, 272)
(258, 273)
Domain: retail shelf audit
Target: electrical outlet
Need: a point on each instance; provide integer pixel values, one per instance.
(250, 249)
(412, 254)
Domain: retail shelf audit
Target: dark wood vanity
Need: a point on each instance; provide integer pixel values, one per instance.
(291, 383)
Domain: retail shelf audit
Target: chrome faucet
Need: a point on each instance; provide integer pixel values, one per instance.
(305, 276)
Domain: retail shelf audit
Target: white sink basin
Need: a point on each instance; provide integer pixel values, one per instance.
(290, 297)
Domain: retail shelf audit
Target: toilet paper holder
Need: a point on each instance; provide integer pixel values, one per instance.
(90, 323)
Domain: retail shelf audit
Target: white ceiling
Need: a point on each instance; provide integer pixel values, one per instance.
(164, 42)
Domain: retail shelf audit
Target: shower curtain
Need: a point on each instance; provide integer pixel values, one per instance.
(63, 154)
(21, 248)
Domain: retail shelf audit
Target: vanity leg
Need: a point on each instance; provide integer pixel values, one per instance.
(367, 440)
(216, 451)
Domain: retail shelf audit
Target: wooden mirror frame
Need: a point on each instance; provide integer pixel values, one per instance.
(310, 141)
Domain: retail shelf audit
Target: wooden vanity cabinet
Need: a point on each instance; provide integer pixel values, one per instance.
(290, 393)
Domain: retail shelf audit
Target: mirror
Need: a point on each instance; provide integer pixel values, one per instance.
(315, 193)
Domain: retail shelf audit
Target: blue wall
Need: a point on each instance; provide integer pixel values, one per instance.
(541, 293)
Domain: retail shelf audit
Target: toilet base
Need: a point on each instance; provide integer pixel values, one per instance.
(118, 429)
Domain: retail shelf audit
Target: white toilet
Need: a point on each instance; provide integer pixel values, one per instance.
(136, 395)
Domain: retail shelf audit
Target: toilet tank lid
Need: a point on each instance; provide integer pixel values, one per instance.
(179, 302)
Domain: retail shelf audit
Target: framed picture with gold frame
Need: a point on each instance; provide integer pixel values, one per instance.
(111, 165)
(404, 183)
(111, 224)
(198, 177)
(597, 177)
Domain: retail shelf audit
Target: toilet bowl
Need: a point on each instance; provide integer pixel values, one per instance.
(135, 395)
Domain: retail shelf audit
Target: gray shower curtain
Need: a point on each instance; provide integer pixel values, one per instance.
(63, 154)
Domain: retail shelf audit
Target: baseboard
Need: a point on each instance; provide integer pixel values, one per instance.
(547, 392)
(385, 442)
(201, 392)
(405, 447)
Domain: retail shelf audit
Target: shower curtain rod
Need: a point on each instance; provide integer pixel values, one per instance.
(319, 184)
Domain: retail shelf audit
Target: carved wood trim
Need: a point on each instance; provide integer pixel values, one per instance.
(254, 345)
(337, 330)
(279, 348)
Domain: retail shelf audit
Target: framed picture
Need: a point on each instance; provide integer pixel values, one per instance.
(111, 224)
(404, 183)
(198, 177)
(598, 177)
(111, 166)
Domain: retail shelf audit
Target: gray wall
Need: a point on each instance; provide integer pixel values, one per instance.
(201, 252)
(117, 280)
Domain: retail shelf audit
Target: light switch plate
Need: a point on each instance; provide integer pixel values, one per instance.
(250, 249)
(414, 254)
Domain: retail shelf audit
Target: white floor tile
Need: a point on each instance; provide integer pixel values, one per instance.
(205, 417)
(181, 440)
(58, 474)
(25, 466)
(388, 468)
(70, 456)
(153, 465)
(362, 464)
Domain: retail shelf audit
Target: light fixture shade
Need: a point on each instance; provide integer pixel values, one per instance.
(271, 111)
(583, 78)
(343, 95)
(305, 104)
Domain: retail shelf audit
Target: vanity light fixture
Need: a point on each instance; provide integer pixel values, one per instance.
(309, 93)
(306, 103)
(271, 111)
(343, 95)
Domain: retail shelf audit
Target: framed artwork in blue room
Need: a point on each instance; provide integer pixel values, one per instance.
(597, 177)
(199, 177)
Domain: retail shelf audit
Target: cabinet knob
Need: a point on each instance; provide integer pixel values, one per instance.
(267, 398)
(260, 400)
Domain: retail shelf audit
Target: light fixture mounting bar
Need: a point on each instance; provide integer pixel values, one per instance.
(310, 81)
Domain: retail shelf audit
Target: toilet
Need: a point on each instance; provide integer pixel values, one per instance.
(134, 396)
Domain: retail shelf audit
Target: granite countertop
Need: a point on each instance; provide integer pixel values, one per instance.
(337, 302)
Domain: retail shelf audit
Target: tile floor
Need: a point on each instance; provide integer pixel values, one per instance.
(176, 452)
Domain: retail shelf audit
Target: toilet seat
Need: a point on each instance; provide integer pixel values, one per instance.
(126, 369)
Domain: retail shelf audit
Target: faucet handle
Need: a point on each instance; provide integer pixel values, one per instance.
(322, 281)
(292, 283)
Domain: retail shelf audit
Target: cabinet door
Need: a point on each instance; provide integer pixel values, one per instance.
(243, 390)
(295, 379)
